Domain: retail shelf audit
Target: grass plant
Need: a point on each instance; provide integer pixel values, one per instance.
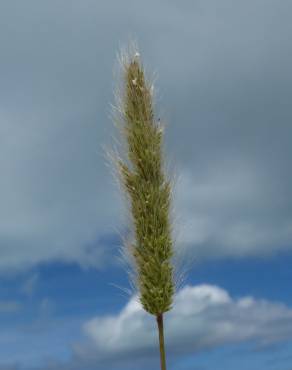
(148, 191)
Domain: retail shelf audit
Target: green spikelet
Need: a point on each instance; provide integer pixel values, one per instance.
(148, 191)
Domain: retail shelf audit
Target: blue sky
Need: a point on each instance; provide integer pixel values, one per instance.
(223, 85)
(56, 299)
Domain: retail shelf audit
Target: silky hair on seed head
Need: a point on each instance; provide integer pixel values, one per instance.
(147, 188)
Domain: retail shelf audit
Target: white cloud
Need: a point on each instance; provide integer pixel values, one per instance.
(9, 306)
(30, 284)
(203, 317)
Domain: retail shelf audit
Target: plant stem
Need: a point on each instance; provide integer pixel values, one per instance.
(159, 319)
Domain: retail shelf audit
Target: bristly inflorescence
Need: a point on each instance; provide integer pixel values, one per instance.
(148, 190)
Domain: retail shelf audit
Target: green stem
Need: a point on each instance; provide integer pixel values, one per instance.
(159, 319)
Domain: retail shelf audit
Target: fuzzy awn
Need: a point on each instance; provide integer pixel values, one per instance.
(149, 194)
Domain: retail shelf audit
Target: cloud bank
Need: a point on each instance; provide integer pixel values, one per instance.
(226, 90)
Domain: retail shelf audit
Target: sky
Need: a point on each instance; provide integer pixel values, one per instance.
(223, 88)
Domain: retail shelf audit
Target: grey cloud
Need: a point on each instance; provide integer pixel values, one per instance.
(224, 88)
(227, 213)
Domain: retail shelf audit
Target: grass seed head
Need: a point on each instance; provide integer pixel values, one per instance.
(148, 191)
